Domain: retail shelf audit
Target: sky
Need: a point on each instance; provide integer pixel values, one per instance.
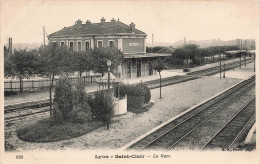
(169, 21)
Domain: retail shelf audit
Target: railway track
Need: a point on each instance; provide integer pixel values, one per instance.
(29, 109)
(229, 134)
(213, 70)
(18, 115)
(193, 130)
(190, 76)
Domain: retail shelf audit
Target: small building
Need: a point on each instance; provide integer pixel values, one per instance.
(131, 41)
(167, 50)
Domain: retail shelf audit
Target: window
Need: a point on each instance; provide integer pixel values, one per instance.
(111, 43)
(87, 45)
(54, 44)
(79, 46)
(62, 44)
(71, 46)
(99, 43)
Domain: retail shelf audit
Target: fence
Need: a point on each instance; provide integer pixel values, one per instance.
(29, 85)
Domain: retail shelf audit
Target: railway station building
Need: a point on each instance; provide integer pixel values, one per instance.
(127, 38)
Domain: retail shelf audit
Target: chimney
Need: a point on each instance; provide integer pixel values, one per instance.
(103, 20)
(132, 27)
(78, 21)
(113, 20)
(88, 22)
(10, 45)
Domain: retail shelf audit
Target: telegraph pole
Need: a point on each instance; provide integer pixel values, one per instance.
(241, 44)
(224, 62)
(220, 66)
(233, 63)
(152, 40)
(43, 39)
(224, 76)
(254, 61)
(245, 53)
(240, 47)
(240, 60)
(43, 36)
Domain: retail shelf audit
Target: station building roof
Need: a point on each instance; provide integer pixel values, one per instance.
(103, 28)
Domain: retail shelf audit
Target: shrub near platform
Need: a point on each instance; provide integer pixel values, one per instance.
(147, 94)
(136, 96)
(134, 102)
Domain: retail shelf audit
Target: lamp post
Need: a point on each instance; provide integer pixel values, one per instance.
(108, 75)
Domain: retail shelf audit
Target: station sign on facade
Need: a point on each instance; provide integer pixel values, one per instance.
(133, 44)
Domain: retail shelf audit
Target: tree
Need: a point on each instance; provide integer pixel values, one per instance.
(6, 51)
(80, 61)
(100, 56)
(182, 54)
(203, 52)
(8, 66)
(192, 52)
(102, 106)
(81, 110)
(159, 65)
(55, 60)
(63, 99)
(22, 64)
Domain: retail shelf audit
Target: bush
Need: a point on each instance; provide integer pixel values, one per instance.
(63, 97)
(78, 115)
(147, 94)
(131, 90)
(134, 102)
(102, 106)
(81, 110)
(135, 95)
(57, 114)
